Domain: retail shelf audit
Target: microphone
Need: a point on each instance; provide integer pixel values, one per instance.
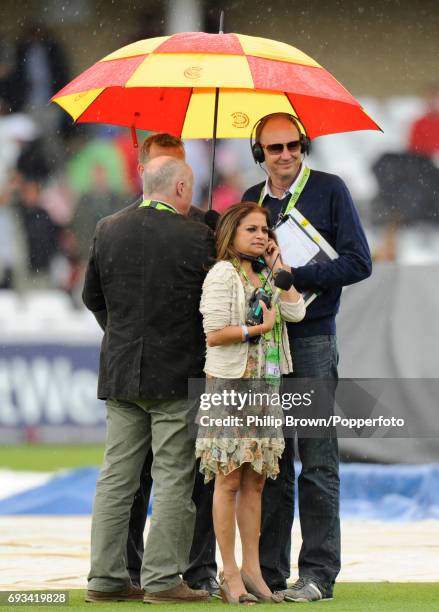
(211, 219)
(283, 282)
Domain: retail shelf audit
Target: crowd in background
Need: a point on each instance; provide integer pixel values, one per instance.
(58, 179)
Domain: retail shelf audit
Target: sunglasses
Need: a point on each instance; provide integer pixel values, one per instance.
(277, 149)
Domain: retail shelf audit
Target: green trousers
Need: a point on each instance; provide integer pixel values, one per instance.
(132, 428)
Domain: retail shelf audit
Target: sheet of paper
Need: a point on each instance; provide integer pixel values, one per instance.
(296, 247)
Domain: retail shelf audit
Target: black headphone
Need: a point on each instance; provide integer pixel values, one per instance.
(258, 263)
(256, 147)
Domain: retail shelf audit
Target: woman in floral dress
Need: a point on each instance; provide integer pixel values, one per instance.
(239, 458)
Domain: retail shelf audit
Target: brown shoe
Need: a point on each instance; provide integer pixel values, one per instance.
(246, 599)
(253, 590)
(130, 593)
(178, 594)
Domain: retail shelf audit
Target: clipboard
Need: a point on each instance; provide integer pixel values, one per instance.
(301, 244)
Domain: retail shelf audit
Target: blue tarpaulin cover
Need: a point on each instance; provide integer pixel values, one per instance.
(368, 491)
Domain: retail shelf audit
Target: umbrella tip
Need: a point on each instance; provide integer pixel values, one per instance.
(221, 23)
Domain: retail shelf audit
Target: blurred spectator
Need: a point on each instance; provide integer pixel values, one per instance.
(407, 187)
(8, 82)
(33, 161)
(424, 133)
(58, 199)
(41, 234)
(16, 131)
(103, 152)
(227, 192)
(13, 244)
(99, 201)
(198, 158)
(409, 181)
(42, 68)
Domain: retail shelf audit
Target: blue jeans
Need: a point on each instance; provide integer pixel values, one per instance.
(318, 488)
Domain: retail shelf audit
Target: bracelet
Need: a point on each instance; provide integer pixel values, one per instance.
(245, 332)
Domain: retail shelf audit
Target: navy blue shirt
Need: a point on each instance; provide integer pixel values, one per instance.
(327, 204)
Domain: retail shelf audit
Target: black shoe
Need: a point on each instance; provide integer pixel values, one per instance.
(275, 587)
(207, 584)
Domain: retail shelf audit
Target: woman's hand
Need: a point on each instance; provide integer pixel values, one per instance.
(269, 317)
(272, 254)
(234, 333)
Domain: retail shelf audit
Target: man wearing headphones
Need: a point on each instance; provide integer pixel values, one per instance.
(323, 199)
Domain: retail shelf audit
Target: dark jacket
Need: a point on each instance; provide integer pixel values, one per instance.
(327, 204)
(146, 269)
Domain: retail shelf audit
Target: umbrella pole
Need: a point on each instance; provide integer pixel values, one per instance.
(212, 164)
(215, 121)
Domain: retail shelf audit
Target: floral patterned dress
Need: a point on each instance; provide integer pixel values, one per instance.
(262, 447)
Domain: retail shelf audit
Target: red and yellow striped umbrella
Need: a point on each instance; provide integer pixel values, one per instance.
(168, 84)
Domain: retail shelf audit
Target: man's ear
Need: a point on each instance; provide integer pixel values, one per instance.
(140, 169)
(180, 187)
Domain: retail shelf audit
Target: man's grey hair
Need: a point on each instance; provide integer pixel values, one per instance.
(159, 174)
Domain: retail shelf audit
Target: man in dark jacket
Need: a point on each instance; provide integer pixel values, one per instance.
(201, 573)
(324, 200)
(144, 280)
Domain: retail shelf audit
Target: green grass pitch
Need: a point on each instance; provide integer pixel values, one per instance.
(349, 597)
(49, 457)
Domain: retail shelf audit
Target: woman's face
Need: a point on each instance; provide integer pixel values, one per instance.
(252, 235)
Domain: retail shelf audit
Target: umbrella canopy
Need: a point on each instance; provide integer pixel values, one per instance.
(168, 84)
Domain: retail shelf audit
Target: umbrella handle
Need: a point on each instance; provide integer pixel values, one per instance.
(133, 131)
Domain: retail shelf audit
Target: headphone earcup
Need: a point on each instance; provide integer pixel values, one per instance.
(258, 264)
(258, 153)
(305, 145)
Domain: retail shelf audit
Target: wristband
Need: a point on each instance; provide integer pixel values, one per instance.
(245, 332)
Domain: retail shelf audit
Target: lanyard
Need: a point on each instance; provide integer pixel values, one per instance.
(158, 206)
(294, 196)
(245, 275)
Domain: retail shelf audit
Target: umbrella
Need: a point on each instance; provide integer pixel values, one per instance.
(198, 85)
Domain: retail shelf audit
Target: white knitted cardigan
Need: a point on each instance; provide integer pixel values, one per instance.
(223, 304)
